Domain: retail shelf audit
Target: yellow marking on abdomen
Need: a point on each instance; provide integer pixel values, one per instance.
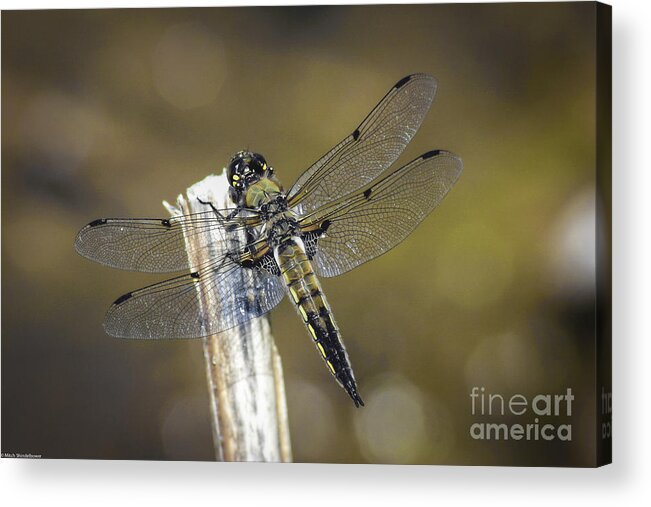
(305, 291)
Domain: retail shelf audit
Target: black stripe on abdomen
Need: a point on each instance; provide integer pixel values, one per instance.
(316, 314)
(306, 294)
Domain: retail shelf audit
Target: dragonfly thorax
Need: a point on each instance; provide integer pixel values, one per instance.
(273, 207)
(281, 228)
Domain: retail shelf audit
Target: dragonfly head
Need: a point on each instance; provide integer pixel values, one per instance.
(245, 169)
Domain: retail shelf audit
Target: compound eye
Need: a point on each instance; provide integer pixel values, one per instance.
(258, 165)
(233, 175)
(234, 171)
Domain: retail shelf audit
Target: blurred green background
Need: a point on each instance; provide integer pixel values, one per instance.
(108, 112)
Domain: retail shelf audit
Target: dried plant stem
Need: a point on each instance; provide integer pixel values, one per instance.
(244, 370)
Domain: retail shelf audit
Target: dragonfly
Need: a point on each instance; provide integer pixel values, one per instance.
(344, 210)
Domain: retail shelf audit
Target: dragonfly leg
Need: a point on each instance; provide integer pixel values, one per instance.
(232, 214)
(209, 203)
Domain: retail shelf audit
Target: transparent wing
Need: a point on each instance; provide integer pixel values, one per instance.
(158, 245)
(219, 296)
(370, 222)
(370, 149)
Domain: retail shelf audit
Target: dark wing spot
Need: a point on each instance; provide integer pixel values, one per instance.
(123, 298)
(324, 225)
(367, 193)
(99, 221)
(266, 263)
(356, 134)
(430, 154)
(195, 274)
(403, 82)
(166, 222)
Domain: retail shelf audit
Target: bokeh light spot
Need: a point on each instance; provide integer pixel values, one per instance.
(392, 427)
(573, 247)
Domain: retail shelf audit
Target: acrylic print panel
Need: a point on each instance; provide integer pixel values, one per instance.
(472, 341)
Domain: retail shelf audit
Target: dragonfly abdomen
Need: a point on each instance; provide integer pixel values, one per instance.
(307, 295)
